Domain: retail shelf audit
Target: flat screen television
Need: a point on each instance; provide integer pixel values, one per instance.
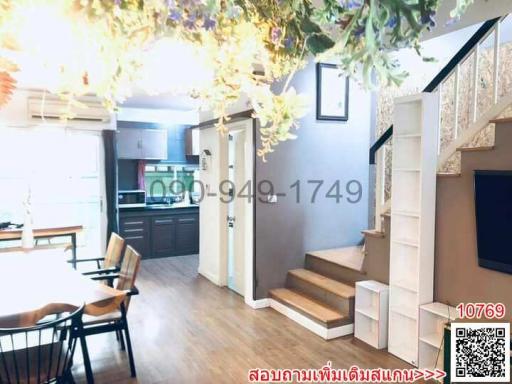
(493, 206)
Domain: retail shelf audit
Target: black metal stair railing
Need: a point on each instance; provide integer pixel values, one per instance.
(441, 76)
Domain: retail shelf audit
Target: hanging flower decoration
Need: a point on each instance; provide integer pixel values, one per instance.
(99, 47)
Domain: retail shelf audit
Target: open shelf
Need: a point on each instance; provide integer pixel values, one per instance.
(432, 340)
(405, 285)
(433, 318)
(409, 228)
(405, 312)
(407, 186)
(366, 329)
(368, 312)
(405, 347)
(430, 357)
(407, 242)
(404, 302)
(413, 216)
(406, 170)
(398, 212)
(371, 313)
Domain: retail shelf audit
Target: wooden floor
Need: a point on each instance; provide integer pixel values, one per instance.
(186, 330)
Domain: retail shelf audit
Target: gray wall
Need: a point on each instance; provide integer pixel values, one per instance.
(326, 151)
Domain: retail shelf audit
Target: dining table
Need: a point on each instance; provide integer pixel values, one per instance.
(47, 231)
(38, 283)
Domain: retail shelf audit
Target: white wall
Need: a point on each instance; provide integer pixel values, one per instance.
(212, 248)
(479, 11)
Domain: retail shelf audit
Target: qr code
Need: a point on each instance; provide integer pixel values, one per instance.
(480, 352)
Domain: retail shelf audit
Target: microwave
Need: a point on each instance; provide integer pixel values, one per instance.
(131, 199)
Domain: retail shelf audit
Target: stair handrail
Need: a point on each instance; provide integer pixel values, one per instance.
(453, 65)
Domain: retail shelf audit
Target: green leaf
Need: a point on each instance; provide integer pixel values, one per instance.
(319, 43)
(308, 26)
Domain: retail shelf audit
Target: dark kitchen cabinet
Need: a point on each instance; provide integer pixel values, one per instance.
(187, 234)
(136, 230)
(141, 143)
(163, 234)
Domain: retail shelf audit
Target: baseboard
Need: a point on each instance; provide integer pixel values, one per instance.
(258, 304)
(210, 276)
(326, 333)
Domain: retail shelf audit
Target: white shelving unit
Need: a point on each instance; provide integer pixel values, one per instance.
(371, 313)
(415, 141)
(433, 317)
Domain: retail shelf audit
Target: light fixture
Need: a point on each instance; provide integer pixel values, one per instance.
(205, 159)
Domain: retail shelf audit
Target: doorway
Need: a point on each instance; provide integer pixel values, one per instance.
(226, 252)
(236, 210)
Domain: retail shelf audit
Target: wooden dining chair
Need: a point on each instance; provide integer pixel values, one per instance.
(110, 262)
(42, 353)
(116, 321)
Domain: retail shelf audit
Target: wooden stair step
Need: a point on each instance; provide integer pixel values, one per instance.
(476, 149)
(373, 233)
(308, 306)
(501, 120)
(448, 174)
(348, 257)
(325, 283)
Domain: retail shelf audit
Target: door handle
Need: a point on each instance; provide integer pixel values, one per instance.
(133, 230)
(134, 237)
(164, 221)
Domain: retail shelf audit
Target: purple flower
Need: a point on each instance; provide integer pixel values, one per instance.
(117, 2)
(175, 15)
(428, 19)
(359, 31)
(288, 42)
(392, 22)
(190, 23)
(275, 34)
(209, 23)
(353, 4)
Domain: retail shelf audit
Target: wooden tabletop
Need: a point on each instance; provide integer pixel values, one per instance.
(41, 230)
(38, 283)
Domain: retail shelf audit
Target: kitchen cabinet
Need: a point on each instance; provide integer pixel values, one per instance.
(136, 230)
(163, 235)
(187, 234)
(161, 232)
(140, 143)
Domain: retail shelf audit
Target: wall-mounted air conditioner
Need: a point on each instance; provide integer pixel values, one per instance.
(40, 109)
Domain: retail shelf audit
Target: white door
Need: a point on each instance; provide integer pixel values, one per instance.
(237, 211)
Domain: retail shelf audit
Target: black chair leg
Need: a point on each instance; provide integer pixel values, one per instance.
(128, 341)
(121, 340)
(69, 379)
(87, 360)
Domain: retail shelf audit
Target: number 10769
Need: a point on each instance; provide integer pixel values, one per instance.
(481, 310)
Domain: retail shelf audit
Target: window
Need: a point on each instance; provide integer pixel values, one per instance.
(168, 181)
(64, 170)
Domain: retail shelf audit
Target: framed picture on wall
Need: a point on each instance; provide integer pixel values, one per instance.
(331, 93)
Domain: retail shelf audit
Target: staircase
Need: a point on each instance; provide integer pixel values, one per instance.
(321, 295)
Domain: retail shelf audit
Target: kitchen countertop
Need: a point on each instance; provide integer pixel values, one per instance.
(162, 207)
